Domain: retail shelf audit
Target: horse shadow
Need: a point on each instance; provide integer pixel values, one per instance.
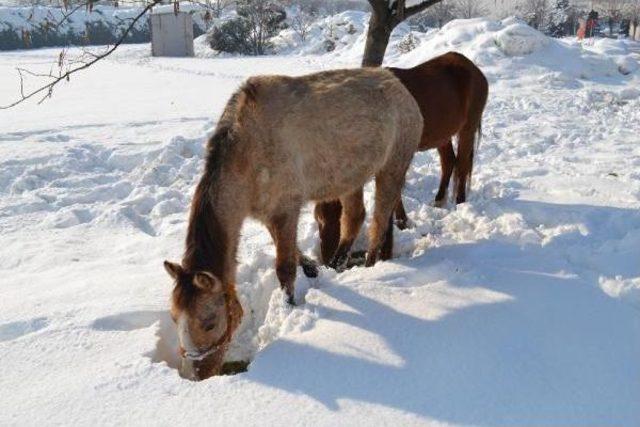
(550, 349)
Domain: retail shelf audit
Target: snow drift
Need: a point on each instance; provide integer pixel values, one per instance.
(510, 43)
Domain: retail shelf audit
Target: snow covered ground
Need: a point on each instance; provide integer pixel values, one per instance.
(520, 307)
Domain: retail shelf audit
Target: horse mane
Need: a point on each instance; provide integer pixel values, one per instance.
(206, 244)
(207, 241)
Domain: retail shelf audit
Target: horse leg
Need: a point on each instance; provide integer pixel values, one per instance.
(353, 214)
(401, 216)
(388, 189)
(386, 251)
(464, 162)
(447, 164)
(284, 227)
(309, 266)
(327, 216)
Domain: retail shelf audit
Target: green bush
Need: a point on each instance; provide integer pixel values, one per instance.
(249, 33)
(231, 37)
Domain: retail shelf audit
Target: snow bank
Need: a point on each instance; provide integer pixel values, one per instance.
(509, 49)
(520, 39)
(510, 53)
(342, 35)
(329, 34)
(618, 287)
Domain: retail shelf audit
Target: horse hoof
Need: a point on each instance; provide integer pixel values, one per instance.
(291, 301)
(339, 263)
(357, 259)
(402, 224)
(440, 203)
(370, 261)
(310, 269)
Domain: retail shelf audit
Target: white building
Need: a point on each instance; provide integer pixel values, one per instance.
(171, 33)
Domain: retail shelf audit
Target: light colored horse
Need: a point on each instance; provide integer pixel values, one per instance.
(281, 142)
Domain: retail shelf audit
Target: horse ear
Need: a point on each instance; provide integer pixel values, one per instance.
(207, 281)
(173, 269)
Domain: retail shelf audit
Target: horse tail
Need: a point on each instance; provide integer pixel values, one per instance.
(469, 136)
(476, 144)
(468, 143)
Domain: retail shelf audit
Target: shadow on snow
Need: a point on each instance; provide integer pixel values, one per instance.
(557, 352)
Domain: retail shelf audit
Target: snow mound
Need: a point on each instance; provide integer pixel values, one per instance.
(520, 39)
(201, 47)
(626, 289)
(267, 315)
(471, 37)
(627, 65)
(88, 184)
(511, 53)
(329, 34)
(618, 50)
(343, 36)
(500, 48)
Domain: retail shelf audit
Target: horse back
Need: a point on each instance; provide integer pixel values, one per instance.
(329, 131)
(450, 90)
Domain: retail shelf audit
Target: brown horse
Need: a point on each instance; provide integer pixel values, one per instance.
(281, 142)
(451, 92)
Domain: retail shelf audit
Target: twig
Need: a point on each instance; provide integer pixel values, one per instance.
(412, 10)
(48, 88)
(66, 16)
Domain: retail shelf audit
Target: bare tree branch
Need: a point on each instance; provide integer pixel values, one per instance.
(385, 16)
(410, 11)
(67, 15)
(62, 75)
(400, 10)
(379, 6)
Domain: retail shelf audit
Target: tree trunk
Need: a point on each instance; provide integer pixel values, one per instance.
(380, 27)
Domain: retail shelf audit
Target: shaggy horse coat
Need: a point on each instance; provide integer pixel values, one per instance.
(281, 142)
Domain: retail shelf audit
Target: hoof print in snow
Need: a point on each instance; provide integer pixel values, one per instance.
(127, 321)
(13, 330)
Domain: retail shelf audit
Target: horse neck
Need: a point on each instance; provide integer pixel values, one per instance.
(214, 230)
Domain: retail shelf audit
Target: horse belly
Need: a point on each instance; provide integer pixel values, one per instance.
(328, 174)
